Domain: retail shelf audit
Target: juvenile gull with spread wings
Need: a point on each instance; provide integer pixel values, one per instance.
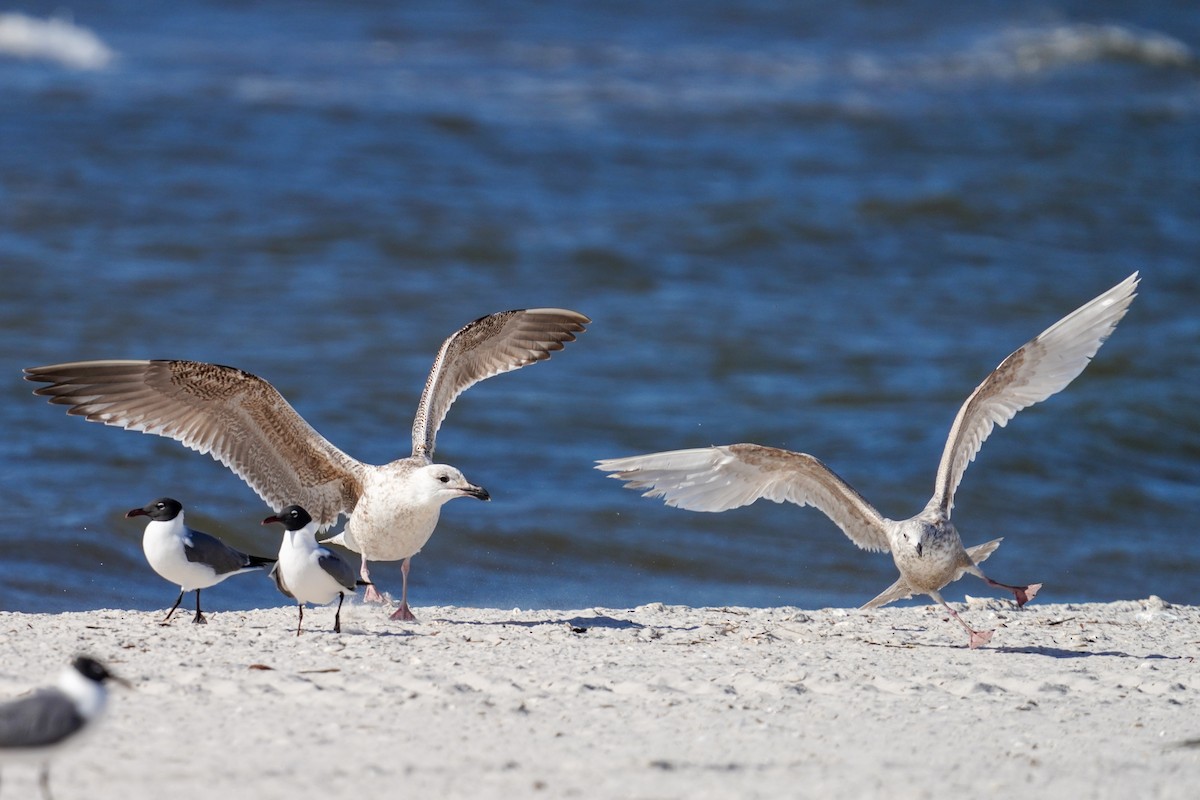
(244, 422)
(926, 548)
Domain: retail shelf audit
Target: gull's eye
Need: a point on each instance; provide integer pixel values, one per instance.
(444, 478)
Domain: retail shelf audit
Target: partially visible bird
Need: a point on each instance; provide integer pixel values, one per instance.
(926, 548)
(244, 423)
(306, 571)
(39, 726)
(192, 559)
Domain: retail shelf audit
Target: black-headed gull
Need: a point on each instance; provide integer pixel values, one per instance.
(192, 559)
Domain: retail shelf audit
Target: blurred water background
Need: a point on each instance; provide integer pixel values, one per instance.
(809, 225)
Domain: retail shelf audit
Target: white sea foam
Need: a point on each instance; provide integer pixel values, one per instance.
(1025, 51)
(54, 39)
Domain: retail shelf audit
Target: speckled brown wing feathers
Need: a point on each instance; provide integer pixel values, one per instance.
(488, 346)
(238, 418)
(1042, 367)
(730, 476)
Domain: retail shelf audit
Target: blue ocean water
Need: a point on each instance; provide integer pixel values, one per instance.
(813, 227)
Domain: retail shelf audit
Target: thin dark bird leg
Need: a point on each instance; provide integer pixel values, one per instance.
(403, 612)
(172, 611)
(337, 617)
(300, 624)
(44, 782)
(199, 618)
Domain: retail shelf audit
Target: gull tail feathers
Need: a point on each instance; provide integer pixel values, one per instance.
(900, 590)
(897, 591)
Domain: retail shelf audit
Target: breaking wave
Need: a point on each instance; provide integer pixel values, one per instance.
(58, 40)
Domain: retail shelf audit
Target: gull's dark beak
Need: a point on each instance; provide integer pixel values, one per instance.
(478, 492)
(271, 519)
(136, 512)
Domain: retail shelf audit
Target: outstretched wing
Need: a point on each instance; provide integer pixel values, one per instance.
(730, 476)
(237, 418)
(488, 346)
(1039, 369)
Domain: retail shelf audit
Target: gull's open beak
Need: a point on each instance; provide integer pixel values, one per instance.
(136, 512)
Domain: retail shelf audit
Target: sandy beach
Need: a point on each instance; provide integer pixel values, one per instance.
(1095, 700)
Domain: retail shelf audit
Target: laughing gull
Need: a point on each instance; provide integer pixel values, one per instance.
(243, 422)
(926, 548)
(39, 726)
(306, 571)
(193, 559)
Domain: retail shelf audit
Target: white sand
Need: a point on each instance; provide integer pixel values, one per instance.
(656, 702)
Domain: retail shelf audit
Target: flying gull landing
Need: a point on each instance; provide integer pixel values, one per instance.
(192, 559)
(243, 422)
(39, 726)
(926, 548)
(306, 571)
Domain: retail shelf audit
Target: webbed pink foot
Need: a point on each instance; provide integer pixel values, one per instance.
(1026, 593)
(979, 638)
(403, 613)
(1023, 594)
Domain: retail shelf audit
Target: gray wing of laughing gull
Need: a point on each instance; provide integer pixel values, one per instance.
(206, 549)
(46, 717)
(338, 569)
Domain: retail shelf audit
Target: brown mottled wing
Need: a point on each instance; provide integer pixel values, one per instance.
(237, 418)
(486, 347)
(721, 478)
(1039, 369)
